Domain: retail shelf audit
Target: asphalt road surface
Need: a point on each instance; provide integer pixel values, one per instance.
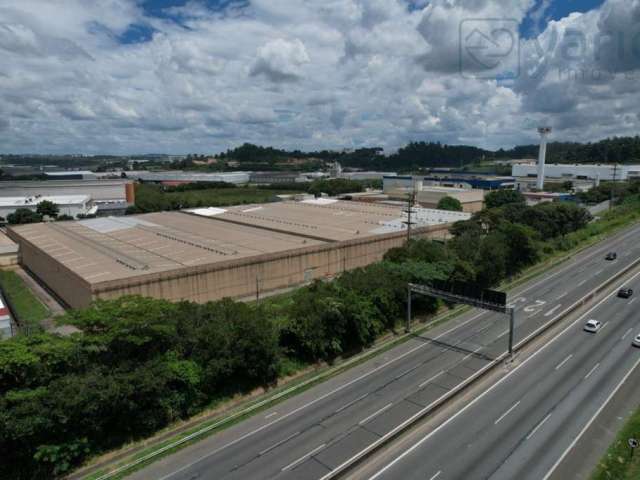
(311, 434)
(524, 425)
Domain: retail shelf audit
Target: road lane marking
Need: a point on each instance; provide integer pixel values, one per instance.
(583, 282)
(276, 445)
(373, 415)
(592, 370)
(472, 353)
(632, 300)
(352, 402)
(270, 415)
(420, 442)
(431, 379)
(593, 419)
(627, 333)
(303, 458)
(553, 310)
(407, 372)
(563, 295)
(507, 413)
(436, 475)
(560, 365)
(532, 433)
(598, 272)
(604, 325)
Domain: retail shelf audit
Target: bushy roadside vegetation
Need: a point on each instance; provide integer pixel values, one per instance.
(618, 463)
(140, 364)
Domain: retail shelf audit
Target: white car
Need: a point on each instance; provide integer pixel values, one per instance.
(636, 341)
(592, 326)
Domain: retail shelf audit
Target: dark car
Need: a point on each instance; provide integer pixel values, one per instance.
(611, 256)
(625, 292)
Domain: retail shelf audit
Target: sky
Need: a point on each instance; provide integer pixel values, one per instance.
(203, 76)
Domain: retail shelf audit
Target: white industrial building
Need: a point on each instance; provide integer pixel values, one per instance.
(579, 171)
(72, 205)
(172, 176)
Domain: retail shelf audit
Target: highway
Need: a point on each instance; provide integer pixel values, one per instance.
(311, 434)
(524, 425)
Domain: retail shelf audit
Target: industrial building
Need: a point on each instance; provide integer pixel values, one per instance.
(427, 196)
(175, 177)
(210, 253)
(111, 196)
(579, 171)
(72, 205)
(8, 251)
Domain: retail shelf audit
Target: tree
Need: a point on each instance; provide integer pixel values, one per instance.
(449, 203)
(22, 216)
(47, 208)
(498, 198)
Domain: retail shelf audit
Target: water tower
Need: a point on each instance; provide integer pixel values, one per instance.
(544, 133)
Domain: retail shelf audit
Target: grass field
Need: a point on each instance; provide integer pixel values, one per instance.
(28, 309)
(618, 463)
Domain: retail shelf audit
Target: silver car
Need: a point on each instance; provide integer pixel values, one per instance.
(592, 326)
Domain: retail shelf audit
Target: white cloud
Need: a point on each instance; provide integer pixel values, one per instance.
(326, 74)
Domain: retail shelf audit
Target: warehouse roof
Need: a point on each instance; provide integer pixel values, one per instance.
(120, 247)
(34, 200)
(323, 219)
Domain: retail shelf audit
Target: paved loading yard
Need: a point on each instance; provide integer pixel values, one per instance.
(209, 254)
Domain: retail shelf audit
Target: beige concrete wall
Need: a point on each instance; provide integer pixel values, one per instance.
(68, 286)
(241, 278)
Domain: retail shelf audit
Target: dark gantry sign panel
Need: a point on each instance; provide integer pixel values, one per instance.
(471, 291)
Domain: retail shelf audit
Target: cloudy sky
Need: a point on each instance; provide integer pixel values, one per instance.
(176, 76)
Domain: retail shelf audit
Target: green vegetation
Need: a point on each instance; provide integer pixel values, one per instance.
(449, 203)
(499, 198)
(154, 198)
(619, 463)
(29, 310)
(23, 216)
(47, 208)
(337, 186)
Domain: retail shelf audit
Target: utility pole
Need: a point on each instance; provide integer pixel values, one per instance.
(411, 200)
(613, 186)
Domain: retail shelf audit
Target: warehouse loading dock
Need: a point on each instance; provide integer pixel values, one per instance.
(208, 254)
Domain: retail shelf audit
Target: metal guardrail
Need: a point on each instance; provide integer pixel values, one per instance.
(403, 427)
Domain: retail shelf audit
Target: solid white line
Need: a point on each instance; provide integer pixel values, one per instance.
(595, 415)
(559, 366)
(373, 415)
(431, 379)
(270, 415)
(538, 427)
(627, 333)
(472, 353)
(562, 296)
(592, 370)
(436, 475)
(276, 445)
(351, 403)
(506, 413)
(492, 387)
(303, 458)
(553, 310)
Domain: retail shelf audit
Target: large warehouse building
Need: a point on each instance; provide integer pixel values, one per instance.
(207, 254)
